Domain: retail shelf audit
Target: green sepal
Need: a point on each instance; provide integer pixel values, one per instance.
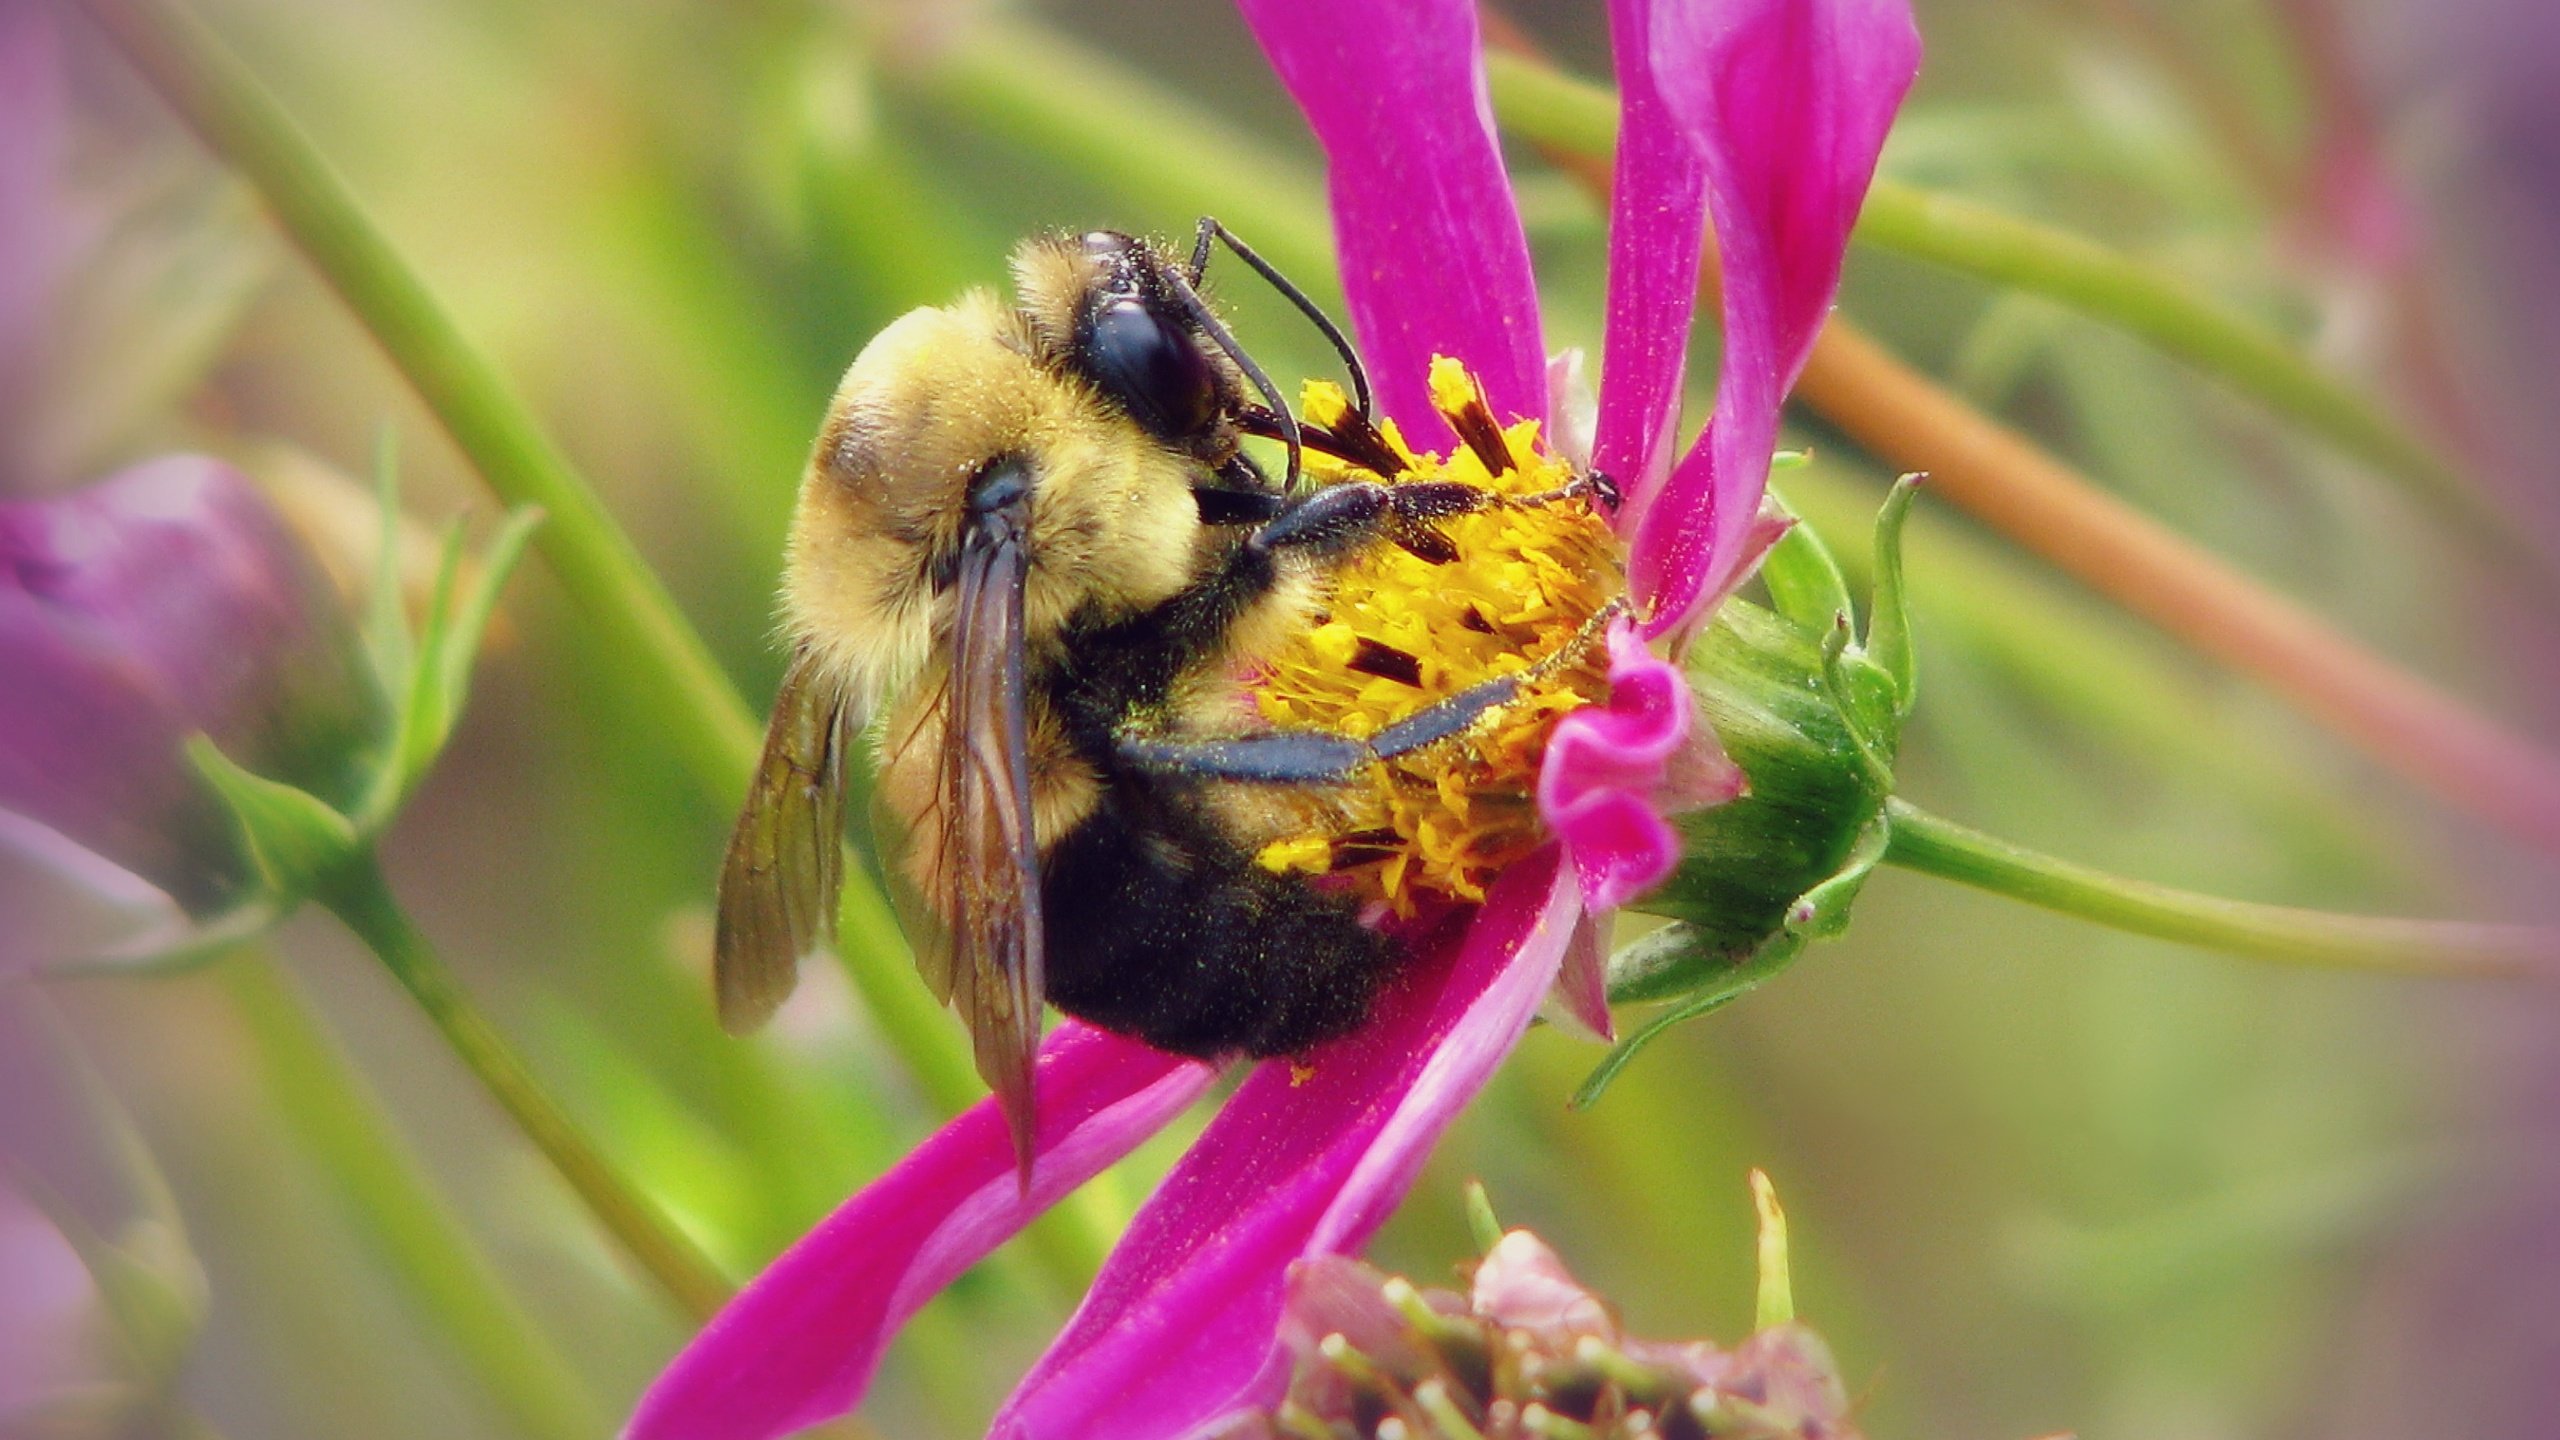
(293, 838)
(1813, 717)
(1782, 701)
(388, 643)
(426, 674)
(432, 694)
(1680, 959)
(1888, 644)
(1803, 580)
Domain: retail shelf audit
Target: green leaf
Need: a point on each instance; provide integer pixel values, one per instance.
(292, 837)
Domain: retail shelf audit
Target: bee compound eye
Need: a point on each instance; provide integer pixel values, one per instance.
(1153, 367)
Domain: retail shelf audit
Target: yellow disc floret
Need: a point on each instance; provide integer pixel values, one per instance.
(1518, 588)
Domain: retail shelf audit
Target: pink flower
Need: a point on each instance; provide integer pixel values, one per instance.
(1767, 113)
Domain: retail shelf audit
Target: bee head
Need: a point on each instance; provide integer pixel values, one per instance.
(1117, 313)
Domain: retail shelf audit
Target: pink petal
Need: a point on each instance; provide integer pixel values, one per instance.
(1604, 768)
(1433, 258)
(1182, 1326)
(1657, 224)
(800, 1344)
(1620, 847)
(1580, 1000)
(63, 901)
(1522, 1284)
(1787, 102)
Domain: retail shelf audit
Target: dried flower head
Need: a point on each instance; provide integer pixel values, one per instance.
(1528, 1353)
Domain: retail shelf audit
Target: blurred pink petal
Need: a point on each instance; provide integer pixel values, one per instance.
(60, 900)
(1433, 259)
(1787, 103)
(1657, 224)
(1522, 1284)
(1182, 1325)
(1603, 769)
(800, 1344)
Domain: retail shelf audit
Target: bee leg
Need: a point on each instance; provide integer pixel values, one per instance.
(1283, 757)
(1316, 757)
(1338, 517)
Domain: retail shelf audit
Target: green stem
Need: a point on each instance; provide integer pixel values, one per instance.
(1549, 107)
(339, 1121)
(359, 898)
(2428, 948)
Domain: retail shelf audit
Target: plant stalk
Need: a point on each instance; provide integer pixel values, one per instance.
(2430, 949)
(339, 1121)
(360, 899)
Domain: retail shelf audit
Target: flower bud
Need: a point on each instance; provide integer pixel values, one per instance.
(166, 601)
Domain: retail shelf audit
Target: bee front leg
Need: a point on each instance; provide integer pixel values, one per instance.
(1341, 517)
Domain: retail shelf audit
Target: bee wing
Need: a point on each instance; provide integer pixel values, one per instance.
(784, 872)
(982, 881)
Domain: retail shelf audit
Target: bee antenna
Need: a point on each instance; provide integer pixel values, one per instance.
(1216, 330)
(1210, 227)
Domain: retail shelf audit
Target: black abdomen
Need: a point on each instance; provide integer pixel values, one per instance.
(1160, 927)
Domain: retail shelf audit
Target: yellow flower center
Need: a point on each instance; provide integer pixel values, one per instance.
(1518, 589)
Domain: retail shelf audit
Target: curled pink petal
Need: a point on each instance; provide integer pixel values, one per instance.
(1620, 846)
(1600, 782)
(800, 1344)
(1657, 225)
(1306, 1160)
(1787, 103)
(1433, 258)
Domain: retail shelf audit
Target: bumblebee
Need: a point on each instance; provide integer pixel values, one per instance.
(1029, 543)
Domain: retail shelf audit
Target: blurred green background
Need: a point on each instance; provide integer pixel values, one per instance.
(2042, 1177)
